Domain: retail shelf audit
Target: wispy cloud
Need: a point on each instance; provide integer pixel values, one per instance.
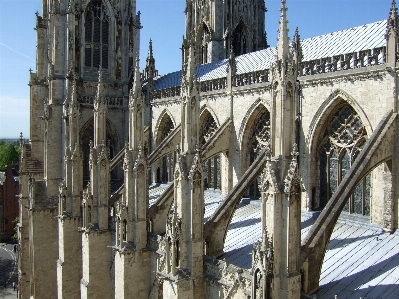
(4, 45)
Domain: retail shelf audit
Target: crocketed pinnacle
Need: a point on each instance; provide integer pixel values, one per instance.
(392, 25)
(282, 41)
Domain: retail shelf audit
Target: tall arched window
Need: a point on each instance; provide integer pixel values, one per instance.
(240, 39)
(96, 35)
(204, 44)
(342, 140)
(166, 169)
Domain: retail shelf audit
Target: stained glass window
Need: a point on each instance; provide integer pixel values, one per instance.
(339, 147)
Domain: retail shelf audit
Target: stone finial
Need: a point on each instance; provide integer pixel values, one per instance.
(135, 91)
(296, 45)
(392, 24)
(283, 40)
(150, 57)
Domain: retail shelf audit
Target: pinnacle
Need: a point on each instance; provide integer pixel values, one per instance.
(282, 45)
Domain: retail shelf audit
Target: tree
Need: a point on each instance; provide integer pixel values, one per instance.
(8, 155)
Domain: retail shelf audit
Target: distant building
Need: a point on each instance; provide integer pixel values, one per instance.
(9, 192)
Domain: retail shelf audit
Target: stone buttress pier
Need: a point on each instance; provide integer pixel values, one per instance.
(96, 258)
(132, 259)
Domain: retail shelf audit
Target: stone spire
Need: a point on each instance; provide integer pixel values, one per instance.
(391, 36)
(282, 41)
(296, 45)
(392, 24)
(136, 118)
(150, 57)
(136, 90)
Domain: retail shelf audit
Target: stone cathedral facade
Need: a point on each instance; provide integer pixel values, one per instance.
(131, 181)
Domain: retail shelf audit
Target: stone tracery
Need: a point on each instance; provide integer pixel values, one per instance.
(339, 146)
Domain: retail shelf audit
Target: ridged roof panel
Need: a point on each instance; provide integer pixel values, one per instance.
(350, 40)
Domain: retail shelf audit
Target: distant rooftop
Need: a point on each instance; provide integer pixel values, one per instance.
(350, 40)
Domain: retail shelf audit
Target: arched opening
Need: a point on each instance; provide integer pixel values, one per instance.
(86, 136)
(257, 133)
(96, 35)
(339, 144)
(240, 37)
(205, 38)
(165, 167)
(211, 168)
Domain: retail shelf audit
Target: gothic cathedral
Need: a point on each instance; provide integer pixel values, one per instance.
(225, 179)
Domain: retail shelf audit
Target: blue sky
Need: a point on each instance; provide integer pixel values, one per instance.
(163, 21)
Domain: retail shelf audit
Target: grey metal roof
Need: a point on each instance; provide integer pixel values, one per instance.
(350, 40)
(361, 260)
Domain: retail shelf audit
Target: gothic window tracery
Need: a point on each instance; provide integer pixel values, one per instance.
(208, 127)
(166, 169)
(211, 166)
(204, 44)
(240, 39)
(96, 35)
(340, 144)
(258, 136)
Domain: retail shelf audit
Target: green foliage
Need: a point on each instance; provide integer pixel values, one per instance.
(8, 155)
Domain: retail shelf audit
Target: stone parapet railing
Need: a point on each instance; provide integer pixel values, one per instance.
(110, 101)
(250, 78)
(215, 84)
(166, 93)
(245, 79)
(342, 62)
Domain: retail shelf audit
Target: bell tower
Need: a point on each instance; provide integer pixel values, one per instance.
(219, 26)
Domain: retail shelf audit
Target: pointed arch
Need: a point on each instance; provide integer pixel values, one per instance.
(208, 124)
(320, 117)
(204, 36)
(211, 111)
(337, 134)
(164, 126)
(255, 133)
(240, 39)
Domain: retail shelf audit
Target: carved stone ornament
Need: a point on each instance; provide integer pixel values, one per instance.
(141, 162)
(62, 188)
(126, 159)
(196, 167)
(268, 181)
(292, 171)
(103, 157)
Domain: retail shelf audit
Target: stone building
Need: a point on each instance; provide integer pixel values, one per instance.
(193, 184)
(9, 193)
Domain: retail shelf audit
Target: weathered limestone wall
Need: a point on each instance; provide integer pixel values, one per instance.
(69, 264)
(97, 259)
(44, 253)
(133, 266)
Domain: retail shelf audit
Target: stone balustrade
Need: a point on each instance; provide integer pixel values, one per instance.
(342, 62)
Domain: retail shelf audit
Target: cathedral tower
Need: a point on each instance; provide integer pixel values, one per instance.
(221, 25)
